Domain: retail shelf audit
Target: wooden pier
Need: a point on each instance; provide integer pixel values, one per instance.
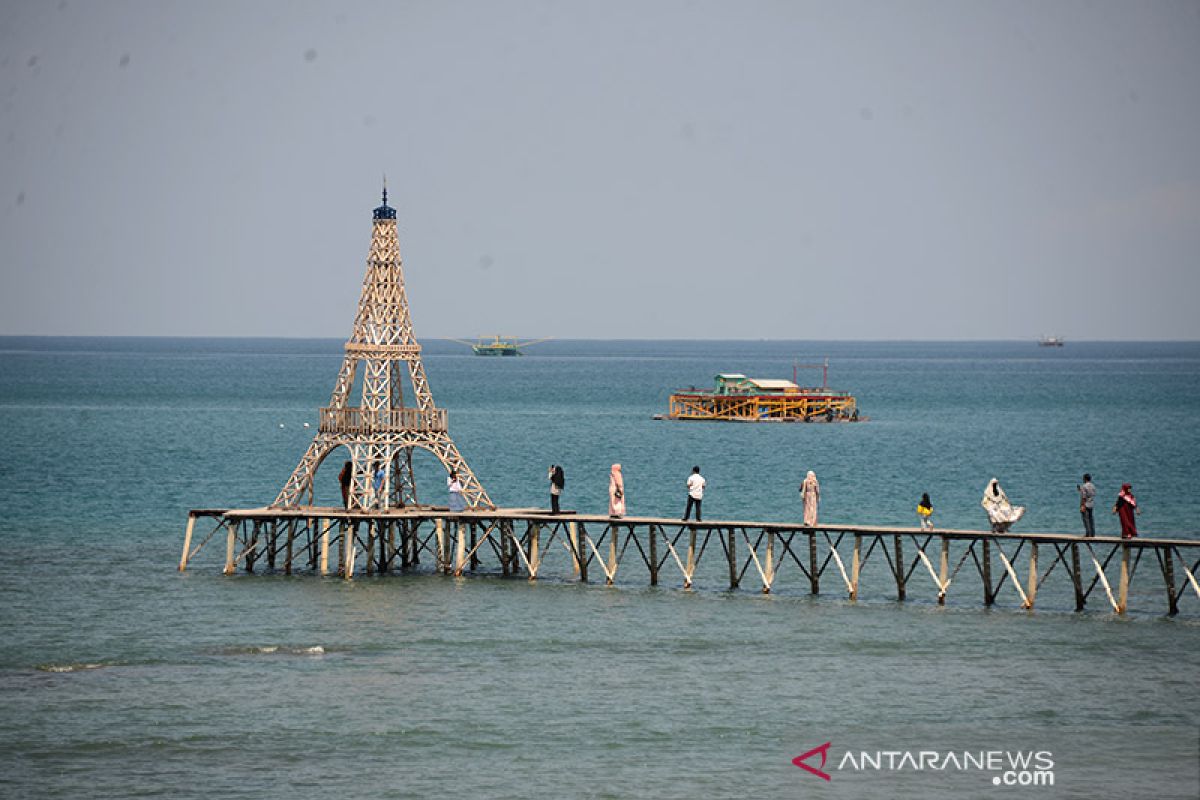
(857, 561)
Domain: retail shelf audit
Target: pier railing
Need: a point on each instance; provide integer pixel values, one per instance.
(361, 420)
(1016, 570)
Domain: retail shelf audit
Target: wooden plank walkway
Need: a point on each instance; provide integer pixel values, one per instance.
(519, 542)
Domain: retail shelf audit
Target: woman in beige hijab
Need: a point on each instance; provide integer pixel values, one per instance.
(810, 492)
(616, 492)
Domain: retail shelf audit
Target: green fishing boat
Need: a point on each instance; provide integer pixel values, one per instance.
(498, 345)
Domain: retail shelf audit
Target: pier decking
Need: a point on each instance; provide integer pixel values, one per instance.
(860, 561)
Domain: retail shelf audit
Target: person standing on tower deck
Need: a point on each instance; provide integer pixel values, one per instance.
(1126, 508)
(1087, 501)
(1001, 513)
(616, 492)
(345, 477)
(458, 504)
(810, 493)
(695, 494)
(557, 481)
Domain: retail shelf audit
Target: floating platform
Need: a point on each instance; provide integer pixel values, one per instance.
(737, 398)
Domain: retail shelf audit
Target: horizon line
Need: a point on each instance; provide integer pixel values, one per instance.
(590, 339)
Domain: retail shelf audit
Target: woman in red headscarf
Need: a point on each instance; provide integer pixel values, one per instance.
(1125, 508)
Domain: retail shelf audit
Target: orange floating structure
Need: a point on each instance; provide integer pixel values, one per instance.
(736, 398)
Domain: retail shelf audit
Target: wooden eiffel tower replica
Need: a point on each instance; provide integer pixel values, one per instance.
(381, 431)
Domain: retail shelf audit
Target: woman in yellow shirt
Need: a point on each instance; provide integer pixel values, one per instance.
(925, 512)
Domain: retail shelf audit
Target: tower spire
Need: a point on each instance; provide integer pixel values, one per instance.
(385, 211)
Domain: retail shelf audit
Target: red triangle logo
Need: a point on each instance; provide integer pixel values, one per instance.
(824, 751)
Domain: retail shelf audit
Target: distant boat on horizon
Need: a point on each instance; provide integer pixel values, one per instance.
(1051, 341)
(499, 345)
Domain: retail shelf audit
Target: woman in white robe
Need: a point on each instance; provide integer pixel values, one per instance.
(1001, 513)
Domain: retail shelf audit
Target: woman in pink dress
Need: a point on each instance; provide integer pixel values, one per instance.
(616, 492)
(1126, 508)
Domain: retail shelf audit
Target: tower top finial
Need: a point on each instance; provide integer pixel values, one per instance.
(385, 211)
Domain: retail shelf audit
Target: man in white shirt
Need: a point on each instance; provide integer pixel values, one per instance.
(695, 490)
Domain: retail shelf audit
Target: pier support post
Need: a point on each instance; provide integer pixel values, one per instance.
(230, 541)
(372, 541)
(899, 564)
(252, 548)
(611, 572)
(325, 524)
(691, 558)
(474, 554)
(351, 535)
(583, 557)
(291, 537)
(439, 529)
(732, 550)
(390, 564)
(535, 532)
(573, 538)
(769, 569)
(652, 549)
(814, 579)
(988, 597)
(855, 565)
(343, 535)
(272, 543)
(187, 543)
(1123, 585)
(503, 526)
(1076, 577)
(1165, 560)
(943, 571)
(1031, 592)
(460, 548)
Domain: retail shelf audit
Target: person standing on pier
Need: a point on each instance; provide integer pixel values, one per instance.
(557, 481)
(1001, 513)
(695, 494)
(1087, 501)
(379, 473)
(616, 492)
(925, 512)
(455, 488)
(810, 493)
(344, 478)
(1126, 508)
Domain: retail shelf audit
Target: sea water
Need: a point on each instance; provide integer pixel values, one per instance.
(121, 677)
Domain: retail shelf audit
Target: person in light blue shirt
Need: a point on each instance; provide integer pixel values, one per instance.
(377, 484)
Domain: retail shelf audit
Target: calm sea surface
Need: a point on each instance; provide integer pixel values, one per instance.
(120, 677)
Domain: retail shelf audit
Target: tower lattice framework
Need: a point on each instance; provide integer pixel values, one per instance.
(381, 430)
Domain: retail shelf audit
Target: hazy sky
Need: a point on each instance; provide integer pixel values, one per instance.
(803, 170)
